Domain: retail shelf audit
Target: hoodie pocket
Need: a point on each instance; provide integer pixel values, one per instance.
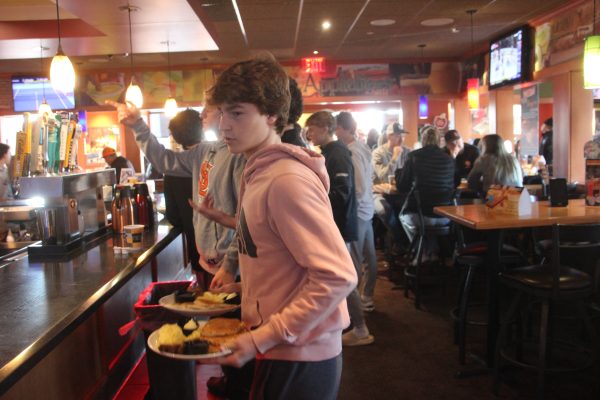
(251, 313)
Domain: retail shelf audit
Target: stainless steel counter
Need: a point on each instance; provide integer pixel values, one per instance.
(42, 303)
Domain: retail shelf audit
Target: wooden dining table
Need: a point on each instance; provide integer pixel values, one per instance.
(481, 218)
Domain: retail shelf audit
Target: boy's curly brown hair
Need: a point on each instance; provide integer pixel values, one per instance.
(261, 82)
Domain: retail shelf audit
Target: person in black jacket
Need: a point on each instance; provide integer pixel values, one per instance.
(117, 162)
(342, 195)
(291, 132)
(463, 153)
(430, 172)
(546, 141)
(338, 161)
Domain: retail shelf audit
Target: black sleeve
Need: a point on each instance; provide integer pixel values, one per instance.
(341, 175)
(406, 176)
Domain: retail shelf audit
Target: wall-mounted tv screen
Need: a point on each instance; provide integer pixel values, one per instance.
(28, 93)
(509, 58)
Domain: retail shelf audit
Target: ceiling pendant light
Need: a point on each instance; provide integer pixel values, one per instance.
(473, 83)
(62, 74)
(44, 107)
(591, 57)
(423, 105)
(134, 93)
(170, 104)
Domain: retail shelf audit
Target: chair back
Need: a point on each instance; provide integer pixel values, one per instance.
(436, 230)
(578, 246)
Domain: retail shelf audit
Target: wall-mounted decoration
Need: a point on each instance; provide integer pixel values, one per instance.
(530, 120)
(93, 89)
(195, 84)
(480, 124)
(156, 87)
(561, 39)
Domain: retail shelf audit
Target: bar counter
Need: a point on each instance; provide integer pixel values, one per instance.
(59, 320)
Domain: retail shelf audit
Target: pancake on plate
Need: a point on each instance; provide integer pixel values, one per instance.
(218, 331)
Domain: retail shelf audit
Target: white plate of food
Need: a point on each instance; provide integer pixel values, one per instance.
(207, 304)
(204, 340)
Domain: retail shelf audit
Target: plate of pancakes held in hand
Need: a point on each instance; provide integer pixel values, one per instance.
(196, 304)
(196, 340)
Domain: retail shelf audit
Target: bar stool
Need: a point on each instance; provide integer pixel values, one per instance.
(472, 257)
(414, 273)
(550, 284)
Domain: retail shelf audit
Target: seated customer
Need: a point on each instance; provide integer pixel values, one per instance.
(430, 172)
(495, 167)
(463, 153)
(387, 158)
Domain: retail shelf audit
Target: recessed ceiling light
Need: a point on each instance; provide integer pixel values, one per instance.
(315, 52)
(370, 33)
(455, 29)
(326, 25)
(437, 22)
(383, 22)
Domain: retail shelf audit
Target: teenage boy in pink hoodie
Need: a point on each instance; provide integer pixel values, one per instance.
(295, 269)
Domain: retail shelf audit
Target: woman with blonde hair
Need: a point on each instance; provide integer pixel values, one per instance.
(495, 167)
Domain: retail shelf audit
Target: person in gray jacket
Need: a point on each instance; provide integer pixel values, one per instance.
(215, 175)
(363, 249)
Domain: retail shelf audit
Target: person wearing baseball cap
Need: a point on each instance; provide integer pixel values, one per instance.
(387, 158)
(464, 154)
(117, 162)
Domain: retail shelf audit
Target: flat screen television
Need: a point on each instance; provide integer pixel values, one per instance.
(510, 58)
(28, 93)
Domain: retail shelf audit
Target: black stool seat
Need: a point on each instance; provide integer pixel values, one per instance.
(472, 256)
(551, 284)
(540, 277)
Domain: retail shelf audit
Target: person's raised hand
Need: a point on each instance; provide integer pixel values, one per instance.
(128, 113)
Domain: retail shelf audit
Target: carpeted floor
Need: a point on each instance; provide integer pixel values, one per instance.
(414, 357)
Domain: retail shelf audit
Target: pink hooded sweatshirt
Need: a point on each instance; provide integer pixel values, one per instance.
(295, 268)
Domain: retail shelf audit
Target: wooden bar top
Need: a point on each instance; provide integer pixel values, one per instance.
(480, 217)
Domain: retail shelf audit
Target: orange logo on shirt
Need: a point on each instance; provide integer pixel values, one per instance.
(203, 178)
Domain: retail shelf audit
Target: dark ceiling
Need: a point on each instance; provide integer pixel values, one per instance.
(95, 33)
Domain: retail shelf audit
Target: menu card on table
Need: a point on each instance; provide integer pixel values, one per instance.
(592, 182)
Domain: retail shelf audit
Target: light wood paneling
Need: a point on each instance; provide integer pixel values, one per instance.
(582, 118)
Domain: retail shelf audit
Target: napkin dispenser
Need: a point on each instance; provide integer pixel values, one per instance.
(510, 200)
